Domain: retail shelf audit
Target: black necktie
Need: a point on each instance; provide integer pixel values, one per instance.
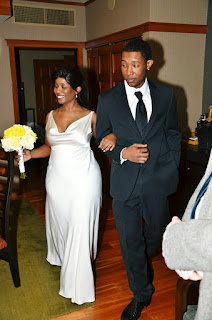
(141, 115)
(201, 193)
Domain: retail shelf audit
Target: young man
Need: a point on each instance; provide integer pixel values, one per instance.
(144, 170)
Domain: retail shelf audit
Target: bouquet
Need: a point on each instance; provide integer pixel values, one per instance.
(17, 138)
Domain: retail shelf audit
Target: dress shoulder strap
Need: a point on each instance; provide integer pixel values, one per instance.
(49, 118)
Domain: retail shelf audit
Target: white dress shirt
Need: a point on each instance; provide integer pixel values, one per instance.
(197, 211)
(133, 100)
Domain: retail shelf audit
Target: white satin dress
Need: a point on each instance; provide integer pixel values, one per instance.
(74, 188)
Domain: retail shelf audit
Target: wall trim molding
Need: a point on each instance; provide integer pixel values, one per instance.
(145, 27)
(5, 8)
(44, 44)
(17, 43)
(70, 3)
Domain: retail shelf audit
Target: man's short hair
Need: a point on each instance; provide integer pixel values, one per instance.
(137, 45)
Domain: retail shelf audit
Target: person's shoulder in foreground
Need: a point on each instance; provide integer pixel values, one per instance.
(187, 245)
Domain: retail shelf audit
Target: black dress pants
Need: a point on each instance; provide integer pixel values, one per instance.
(140, 222)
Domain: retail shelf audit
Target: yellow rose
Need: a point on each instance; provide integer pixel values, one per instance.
(17, 137)
(34, 135)
(16, 130)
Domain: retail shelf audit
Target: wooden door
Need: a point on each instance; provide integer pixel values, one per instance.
(104, 69)
(104, 66)
(116, 51)
(45, 98)
(93, 84)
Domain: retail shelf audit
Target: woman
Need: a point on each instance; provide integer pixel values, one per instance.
(73, 185)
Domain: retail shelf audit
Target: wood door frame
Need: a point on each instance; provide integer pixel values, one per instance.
(17, 43)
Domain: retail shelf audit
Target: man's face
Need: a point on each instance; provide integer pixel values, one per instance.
(133, 68)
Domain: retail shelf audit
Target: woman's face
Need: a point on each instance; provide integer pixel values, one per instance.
(63, 91)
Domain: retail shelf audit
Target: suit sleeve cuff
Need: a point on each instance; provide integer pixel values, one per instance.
(121, 159)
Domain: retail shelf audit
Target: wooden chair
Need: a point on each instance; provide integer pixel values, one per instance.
(6, 183)
(187, 292)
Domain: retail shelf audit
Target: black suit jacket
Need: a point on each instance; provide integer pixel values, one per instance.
(163, 137)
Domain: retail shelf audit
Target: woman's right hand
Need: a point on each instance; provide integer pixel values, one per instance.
(108, 142)
(26, 155)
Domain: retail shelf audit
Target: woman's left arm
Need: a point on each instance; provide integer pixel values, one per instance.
(108, 142)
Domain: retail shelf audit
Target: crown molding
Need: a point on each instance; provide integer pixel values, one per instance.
(68, 3)
(145, 27)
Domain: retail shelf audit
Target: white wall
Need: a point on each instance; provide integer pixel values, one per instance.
(101, 21)
(182, 68)
(180, 11)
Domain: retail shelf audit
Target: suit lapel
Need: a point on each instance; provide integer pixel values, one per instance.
(126, 112)
(155, 98)
(125, 109)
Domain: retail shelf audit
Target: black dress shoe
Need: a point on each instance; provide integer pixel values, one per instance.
(134, 308)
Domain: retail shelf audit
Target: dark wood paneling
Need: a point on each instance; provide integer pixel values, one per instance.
(93, 84)
(116, 51)
(104, 68)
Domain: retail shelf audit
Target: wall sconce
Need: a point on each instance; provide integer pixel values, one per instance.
(111, 4)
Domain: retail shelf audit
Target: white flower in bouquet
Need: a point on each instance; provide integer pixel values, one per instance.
(17, 138)
(11, 144)
(28, 141)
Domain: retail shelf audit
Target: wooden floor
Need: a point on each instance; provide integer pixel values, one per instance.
(112, 290)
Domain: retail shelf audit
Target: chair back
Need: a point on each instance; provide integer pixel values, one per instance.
(6, 183)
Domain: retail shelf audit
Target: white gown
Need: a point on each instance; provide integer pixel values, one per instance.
(74, 187)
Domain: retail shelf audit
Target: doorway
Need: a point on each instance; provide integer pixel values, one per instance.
(35, 88)
(17, 45)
